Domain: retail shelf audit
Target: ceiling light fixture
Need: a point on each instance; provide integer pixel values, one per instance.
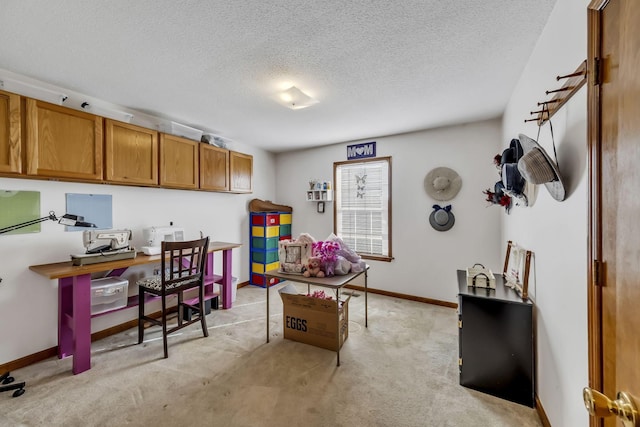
(295, 99)
(122, 116)
(32, 91)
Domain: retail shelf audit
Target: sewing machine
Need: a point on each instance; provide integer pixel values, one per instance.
(104, 245)
(154, 236)
(101, 241)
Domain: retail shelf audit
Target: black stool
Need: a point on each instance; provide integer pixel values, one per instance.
(7, 379)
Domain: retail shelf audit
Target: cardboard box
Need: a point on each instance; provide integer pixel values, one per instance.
(313, 320)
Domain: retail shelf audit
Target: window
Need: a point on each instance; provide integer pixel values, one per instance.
(362, 216)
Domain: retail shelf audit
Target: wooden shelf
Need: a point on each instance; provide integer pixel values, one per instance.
(319, 195)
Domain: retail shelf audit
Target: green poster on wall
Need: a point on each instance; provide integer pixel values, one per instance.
(17, 207)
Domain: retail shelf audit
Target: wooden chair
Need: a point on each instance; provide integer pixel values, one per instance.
(183, 266)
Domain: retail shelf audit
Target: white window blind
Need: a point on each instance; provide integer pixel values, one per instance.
(362, 206)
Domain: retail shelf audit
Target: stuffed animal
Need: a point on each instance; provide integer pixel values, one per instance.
(305, 238)
(313, 268)
(326, 251)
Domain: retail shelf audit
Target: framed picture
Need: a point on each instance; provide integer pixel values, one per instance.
(293, 256)
(517, 265)
(320, 207)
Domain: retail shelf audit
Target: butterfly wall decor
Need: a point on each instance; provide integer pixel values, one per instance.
(361, 182)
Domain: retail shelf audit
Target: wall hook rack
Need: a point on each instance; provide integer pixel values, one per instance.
(574, 81)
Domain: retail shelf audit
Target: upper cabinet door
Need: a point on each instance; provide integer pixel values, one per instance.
(10, 133)
(131, 153)
(62, 142)
(178, 162)
(241, 172)
(214, 168)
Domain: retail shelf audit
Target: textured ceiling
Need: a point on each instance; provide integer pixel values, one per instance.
(377, 67)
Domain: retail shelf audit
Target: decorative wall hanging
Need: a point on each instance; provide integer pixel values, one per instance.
(538, 168)
(361, 185)
(18, 207)
(361, 151)
(442, 218)
(498, 196)
(442, 183)
(512, 188)
(95, 208)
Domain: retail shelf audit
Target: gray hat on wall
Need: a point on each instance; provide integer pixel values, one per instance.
(442, 183)
(538, 168)
(442, 218)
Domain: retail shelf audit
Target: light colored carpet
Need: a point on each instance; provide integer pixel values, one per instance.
(400, 371)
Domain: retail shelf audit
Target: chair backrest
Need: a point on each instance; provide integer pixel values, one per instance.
(183, 263)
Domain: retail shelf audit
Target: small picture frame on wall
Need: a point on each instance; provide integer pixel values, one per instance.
(320, 207)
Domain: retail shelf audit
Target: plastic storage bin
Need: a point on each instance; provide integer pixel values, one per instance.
(108, 293)
(265, 243)
(234, 288)
(178, 129)
(265, 257)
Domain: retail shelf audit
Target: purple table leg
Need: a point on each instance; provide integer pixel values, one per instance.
(65, 306)
(81, 323)
(208, 272)
(226, 278)
(74, 321)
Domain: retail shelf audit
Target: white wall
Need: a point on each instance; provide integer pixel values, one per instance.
(28, 301)
(425, 260)
(557, 232)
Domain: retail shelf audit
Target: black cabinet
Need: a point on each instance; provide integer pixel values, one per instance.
(496, 341)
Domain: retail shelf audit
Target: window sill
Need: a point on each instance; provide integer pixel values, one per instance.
(376, 257)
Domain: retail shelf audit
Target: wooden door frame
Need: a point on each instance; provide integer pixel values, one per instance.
(595, 266)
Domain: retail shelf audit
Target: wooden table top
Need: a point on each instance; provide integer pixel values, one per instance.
(59, 270)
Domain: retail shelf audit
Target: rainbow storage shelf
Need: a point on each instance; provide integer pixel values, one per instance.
(266, 229)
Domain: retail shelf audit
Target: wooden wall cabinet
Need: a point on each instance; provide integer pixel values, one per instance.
(214, 168)
(131, 154)
(48, 141)
(10, 133)
(179, 158)
(240, 172)
(62, 142)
